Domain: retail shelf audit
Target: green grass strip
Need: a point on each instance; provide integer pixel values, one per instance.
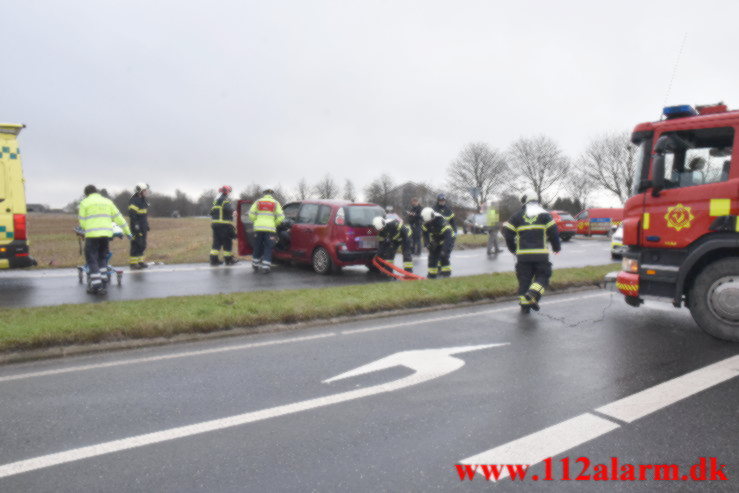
(30, 328)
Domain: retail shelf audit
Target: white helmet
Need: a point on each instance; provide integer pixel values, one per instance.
(141, 186)
(427, 214)
(378, 222)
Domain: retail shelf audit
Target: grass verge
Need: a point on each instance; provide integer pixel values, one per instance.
(33, 328)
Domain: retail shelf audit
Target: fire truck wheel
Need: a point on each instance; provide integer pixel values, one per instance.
(714, 299)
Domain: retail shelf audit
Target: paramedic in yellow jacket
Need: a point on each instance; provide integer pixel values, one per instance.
(97, 215)
(266, 214)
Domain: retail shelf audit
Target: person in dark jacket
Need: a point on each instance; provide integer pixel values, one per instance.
(443, 208)
(413, 218)
(393, 235)
(526, 235)
(138, 215)
(438, 237)
(221, 222)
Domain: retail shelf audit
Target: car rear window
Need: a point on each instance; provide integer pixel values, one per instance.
(566, 217)
(362, 215)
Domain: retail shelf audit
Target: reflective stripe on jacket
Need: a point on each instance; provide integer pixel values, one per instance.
(266, 214)
(222, 211)
(527, 237)
(97, 215)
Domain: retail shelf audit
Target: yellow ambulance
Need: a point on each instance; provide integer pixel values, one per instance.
(13, 227)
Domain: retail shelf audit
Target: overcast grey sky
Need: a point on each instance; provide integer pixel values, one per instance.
(192, 95)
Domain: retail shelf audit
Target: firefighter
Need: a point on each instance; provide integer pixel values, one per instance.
(526, 234)
(438, 237)
(492, 219)
(138, 215)
(442, 208)
(224, 232)
(393, 235)
(266, 214)
(414, 220)
(97, 215)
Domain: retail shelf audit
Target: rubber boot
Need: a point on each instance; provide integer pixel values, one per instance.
(143, 265)
(230, 260)
(214, 260)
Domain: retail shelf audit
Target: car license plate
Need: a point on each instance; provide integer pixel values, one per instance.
(367, 241)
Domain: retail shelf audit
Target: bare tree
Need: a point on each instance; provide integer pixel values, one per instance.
(252, 192)
(303, 190)
(205, 202)
(579, 183)
(349, 193)
(379, 191)
(609, 162)
(326, 188)
(539, 164)
(477, 173)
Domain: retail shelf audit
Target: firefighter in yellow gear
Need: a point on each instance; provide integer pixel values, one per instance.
(224, 231)
(266, 214)
(97, 215)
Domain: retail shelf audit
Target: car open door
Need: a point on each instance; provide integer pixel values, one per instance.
(244, 228)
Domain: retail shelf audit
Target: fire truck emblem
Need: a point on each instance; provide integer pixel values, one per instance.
(679, 217)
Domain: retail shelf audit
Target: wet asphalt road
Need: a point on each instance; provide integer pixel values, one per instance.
(581, 352)
(60, 286)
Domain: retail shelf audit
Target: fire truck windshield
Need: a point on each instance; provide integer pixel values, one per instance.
(640, 165)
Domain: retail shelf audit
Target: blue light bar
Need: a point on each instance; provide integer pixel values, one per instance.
(680, 111)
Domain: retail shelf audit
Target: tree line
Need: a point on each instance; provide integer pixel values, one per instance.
(536, 166)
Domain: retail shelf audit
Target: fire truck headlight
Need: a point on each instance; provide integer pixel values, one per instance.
(629, 265)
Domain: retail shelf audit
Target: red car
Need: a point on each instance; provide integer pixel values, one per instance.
(329, 234)
(566, 224)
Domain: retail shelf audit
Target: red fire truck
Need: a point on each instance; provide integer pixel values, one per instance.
(681, 225)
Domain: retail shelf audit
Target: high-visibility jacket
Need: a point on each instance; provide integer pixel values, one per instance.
(395, 232)
(138, 213)
(97, 215)
(492, 217)
(448, 214)
(437, 231)
(527, 235)
(266, 214)
(222, 211)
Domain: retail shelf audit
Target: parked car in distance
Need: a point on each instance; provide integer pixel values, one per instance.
(566, 224)
(598, 221)
(475, 224)
(617, 243)
(328, 234)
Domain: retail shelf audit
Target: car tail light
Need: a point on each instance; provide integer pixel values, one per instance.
(340, 218)
(19, 226)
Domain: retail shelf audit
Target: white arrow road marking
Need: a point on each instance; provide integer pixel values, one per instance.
(566, 435)
(427, 365)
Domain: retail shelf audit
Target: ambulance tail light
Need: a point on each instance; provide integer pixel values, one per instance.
(630, 265)
(19, 227)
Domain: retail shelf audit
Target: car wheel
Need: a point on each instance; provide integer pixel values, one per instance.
(714, 299)
(322, 263)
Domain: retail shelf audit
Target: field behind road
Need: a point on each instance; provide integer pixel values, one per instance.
(181, 240)
(171, 241)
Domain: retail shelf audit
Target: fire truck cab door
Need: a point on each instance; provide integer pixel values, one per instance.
(696, 189)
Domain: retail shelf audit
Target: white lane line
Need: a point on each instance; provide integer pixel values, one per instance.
(647, 401)
(548, 442)
(566, 435)
(463, 315)
(162, 357)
